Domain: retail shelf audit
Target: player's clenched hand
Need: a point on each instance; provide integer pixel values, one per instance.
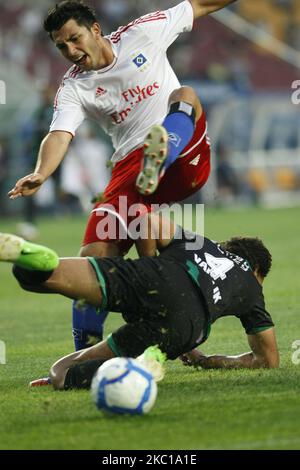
(27, 186)
(193, 358)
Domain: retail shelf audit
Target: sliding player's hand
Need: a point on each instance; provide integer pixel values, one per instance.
(194, 358)
(27, 186)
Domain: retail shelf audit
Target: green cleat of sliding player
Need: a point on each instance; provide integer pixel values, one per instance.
(27, 255)
(153, 359)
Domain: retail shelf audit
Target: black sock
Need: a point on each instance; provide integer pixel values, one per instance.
(30, 278)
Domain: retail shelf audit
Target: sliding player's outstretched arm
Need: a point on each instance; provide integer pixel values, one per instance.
(205, 7)
(52, 151)
(264, 353)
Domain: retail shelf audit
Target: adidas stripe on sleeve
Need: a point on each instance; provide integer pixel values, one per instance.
(170, 23)
(68, 111)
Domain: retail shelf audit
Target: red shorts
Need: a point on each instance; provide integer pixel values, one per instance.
(184, 177)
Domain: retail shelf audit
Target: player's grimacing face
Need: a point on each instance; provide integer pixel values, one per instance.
(79, 45)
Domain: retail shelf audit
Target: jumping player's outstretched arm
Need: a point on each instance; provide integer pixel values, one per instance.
(204, 7)
(52, 151)
(264, 353)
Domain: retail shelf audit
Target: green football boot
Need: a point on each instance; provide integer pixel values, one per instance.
(153, 359)
(27, 255)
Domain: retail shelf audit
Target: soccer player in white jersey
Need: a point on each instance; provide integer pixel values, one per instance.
(158, 128)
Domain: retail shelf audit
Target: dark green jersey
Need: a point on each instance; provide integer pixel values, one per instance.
(224, 280)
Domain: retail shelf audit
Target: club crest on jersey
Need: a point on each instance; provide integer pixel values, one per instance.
(100, 92)
(140, 62)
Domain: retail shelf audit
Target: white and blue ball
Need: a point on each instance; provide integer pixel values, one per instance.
(123, 386)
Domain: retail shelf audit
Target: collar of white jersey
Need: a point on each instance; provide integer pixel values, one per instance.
(110, 66)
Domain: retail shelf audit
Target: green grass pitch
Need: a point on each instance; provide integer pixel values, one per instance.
(194, 409)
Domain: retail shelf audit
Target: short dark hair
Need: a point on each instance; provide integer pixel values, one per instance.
(64, 11)
(253, 250)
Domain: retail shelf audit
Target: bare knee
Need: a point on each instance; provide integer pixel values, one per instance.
(100, 249)
(57, 376)
(188, 95)
(156, 233)
(183, 93)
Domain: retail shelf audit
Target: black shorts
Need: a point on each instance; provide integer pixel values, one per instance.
(158, 301)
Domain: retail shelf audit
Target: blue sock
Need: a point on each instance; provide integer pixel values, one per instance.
(86, 323)
(180, 127)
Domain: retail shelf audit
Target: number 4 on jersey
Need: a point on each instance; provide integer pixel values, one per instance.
(219, 266)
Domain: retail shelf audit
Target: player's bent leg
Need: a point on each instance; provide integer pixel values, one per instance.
(156, 232)
(87, 322)
(74, 278)
(192, 169)
(100, 250)
(188, 95)
(165, 142)
(81, 375)
(77, 369)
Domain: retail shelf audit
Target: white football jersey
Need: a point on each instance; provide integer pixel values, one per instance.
(131, 95)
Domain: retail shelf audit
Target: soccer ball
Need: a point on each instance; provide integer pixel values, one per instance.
(122, 385)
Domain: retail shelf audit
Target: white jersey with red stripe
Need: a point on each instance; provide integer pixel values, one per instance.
(131, 95)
